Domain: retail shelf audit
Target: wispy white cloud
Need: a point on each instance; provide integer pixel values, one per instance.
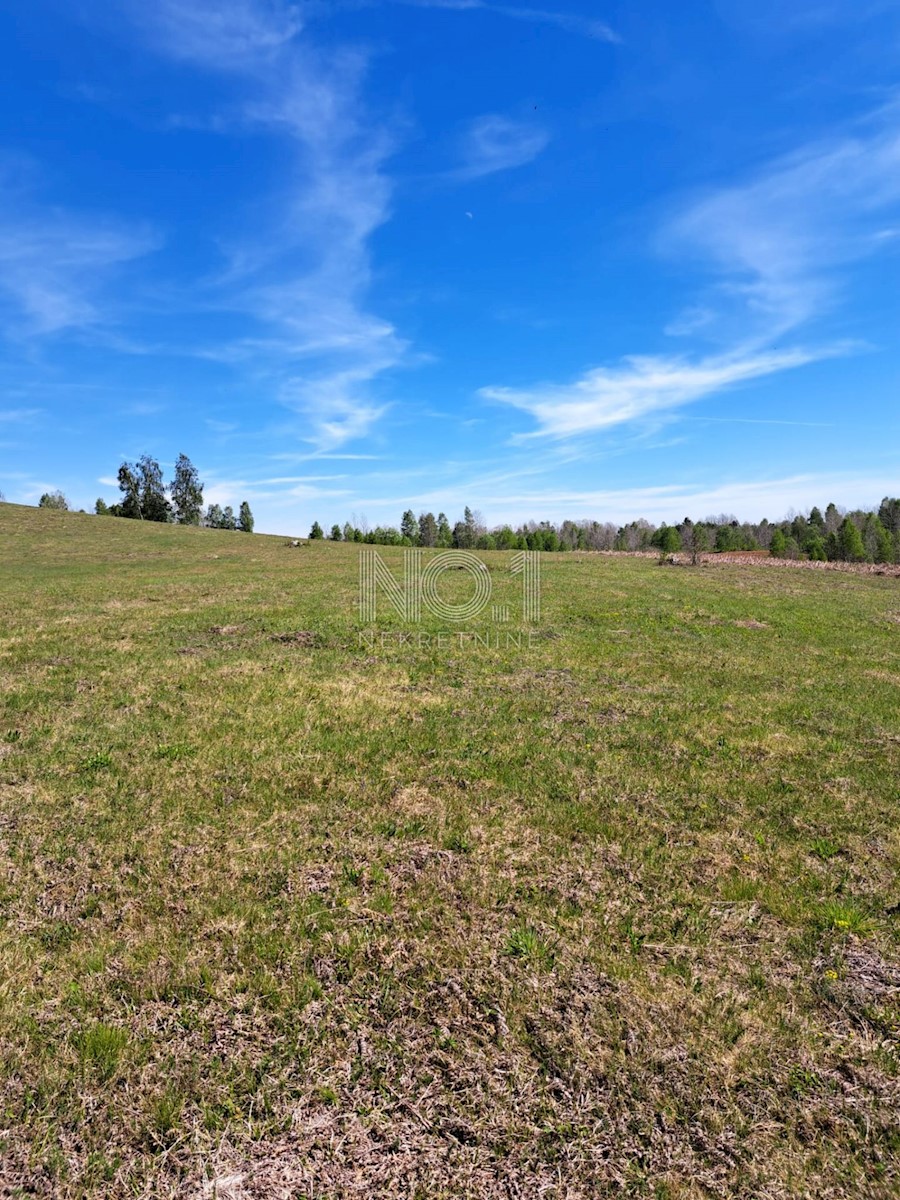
(590, 27)
(235, 35)
(778, 243)
(275, 493)
(304, 281)
(54, 264)
(571, 22)
(496, 143)
(11, 416)
(750, 498)
(640, 386)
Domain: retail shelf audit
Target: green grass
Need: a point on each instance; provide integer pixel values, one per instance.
(612, 913)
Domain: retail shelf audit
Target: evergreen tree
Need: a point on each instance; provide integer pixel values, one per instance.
(213, 518)
(409, 527)
(471, 524)
(669, 541)
(778, 544)
(336, 535)
(850, 543)
(816, 519)
(815, 548)
(444, 532)
(884, 545)
(465, 532)
(428, 530)
(187, 492)
(228, 521)
(101, 508)
(350, 533)
(245, 518)
(316, 532)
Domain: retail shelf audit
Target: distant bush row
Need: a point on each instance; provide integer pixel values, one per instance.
(836, 535)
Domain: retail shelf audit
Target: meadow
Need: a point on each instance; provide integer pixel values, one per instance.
(287, 911)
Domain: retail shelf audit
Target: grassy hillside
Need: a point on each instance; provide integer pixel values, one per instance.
(288, 913)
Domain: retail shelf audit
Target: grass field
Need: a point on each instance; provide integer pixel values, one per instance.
(286, 913)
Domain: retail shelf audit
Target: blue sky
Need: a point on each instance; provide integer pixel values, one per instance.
(619, 260)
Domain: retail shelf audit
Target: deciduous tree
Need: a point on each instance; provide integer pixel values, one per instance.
(54, 500)
(187, 492)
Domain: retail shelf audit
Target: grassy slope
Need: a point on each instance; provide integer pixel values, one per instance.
(612, 914)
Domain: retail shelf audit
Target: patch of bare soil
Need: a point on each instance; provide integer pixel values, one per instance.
(299, 637)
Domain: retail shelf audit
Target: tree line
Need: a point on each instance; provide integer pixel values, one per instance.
(147, 497)
(835, 535)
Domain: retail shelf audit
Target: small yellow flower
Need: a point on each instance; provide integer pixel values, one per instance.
(842, 924)
(831, 974)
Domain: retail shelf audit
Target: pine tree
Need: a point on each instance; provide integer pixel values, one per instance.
(336, 535)
(444, 532)
(187, 492)
(101, 508)
(428, 530)
(409, 527)
(668, 541)
(884, 546)
(778, 544)
(316, 532)
(465, 532)
(471, 523)
(815, 548)
(245, 518)
(850, 543)
(213, 518)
